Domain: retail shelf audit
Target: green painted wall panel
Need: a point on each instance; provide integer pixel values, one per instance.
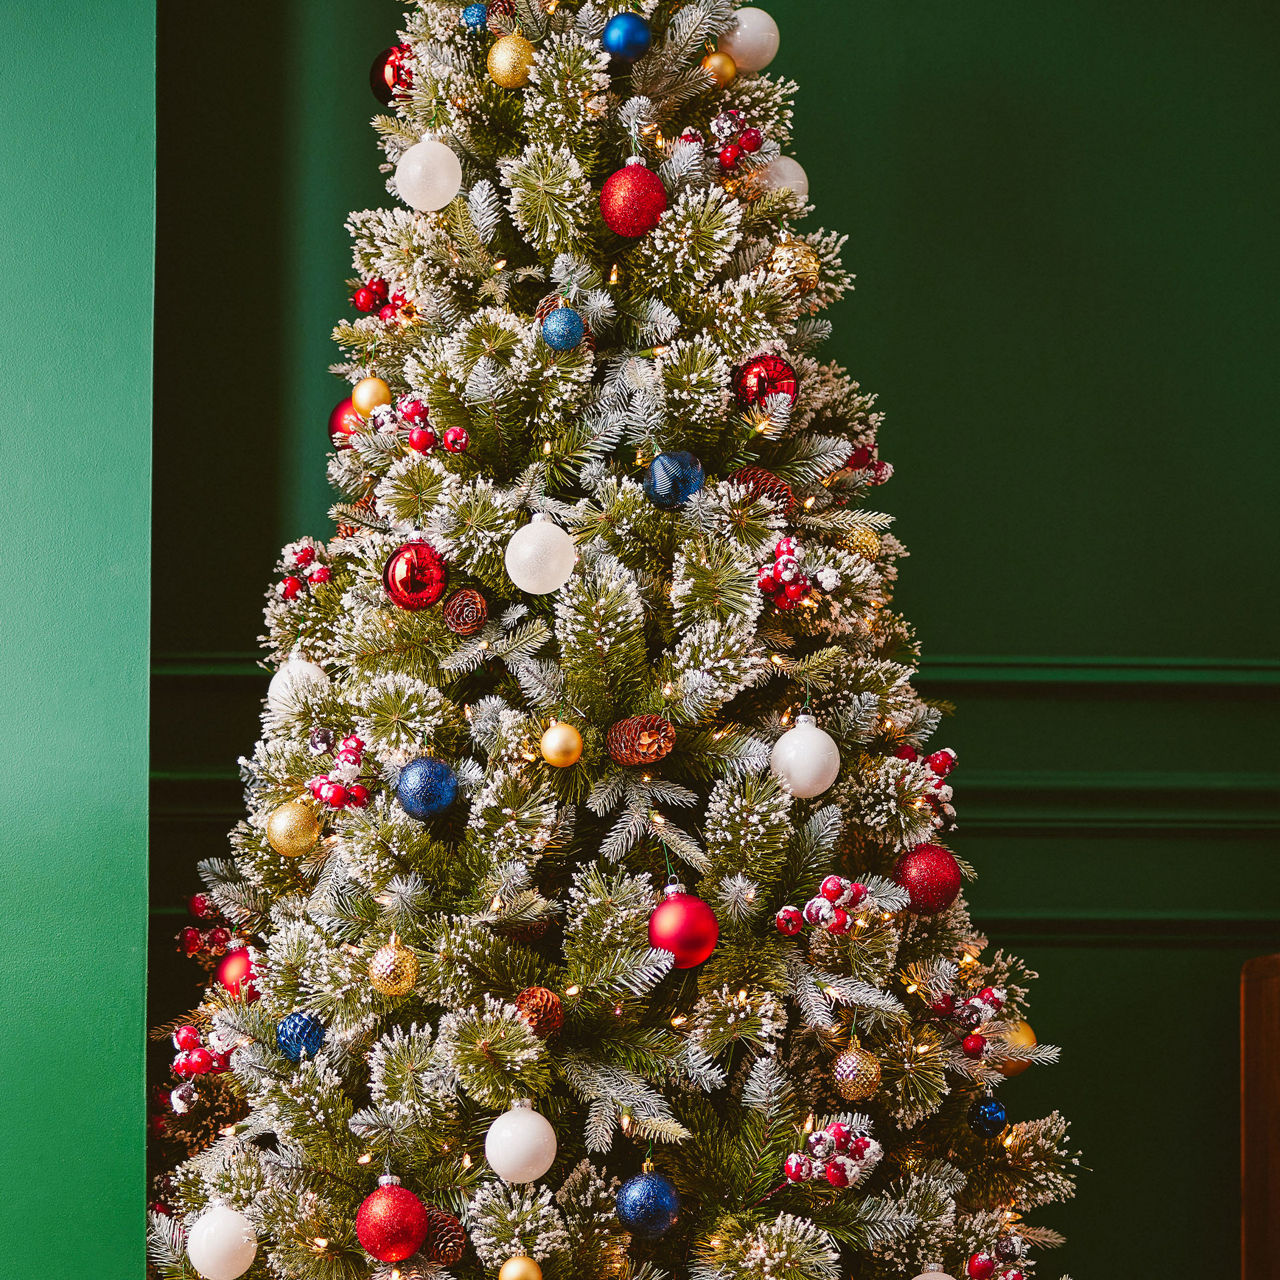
(76, 238)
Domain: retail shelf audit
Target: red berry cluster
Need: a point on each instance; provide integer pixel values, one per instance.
(193, 1058)
(375, 295)
(421, 438)
(863, 458)
(941, 763)
(339, 788)
(735, 138)
(836, 1154)
(304, 566)
(985, 1264)
(783, 581)
(210, 941)
(829, 909)
(968, 1015)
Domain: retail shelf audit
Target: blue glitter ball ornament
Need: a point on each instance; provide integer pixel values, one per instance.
(426, 787)
(987, 1117)
(299, 1034)
(562, 330)
(476, 17)
(648, 1204)
(626, 37)
(673, 478)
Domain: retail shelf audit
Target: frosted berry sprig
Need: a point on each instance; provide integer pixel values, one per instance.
(340, 787)
(985, 1264)
(783, 581)
(828, 909)
(940, 797)
(193, 1058)
(838, 1155)
(211, 941)
(303, 565)
(736, 138)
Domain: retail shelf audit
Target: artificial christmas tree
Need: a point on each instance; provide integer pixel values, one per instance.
(605, 612)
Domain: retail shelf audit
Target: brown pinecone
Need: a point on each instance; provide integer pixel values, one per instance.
(465, 612)
(641, 739)
(501, 9)
(348, 529)
(446, 1240)
(542, 1010)
(554, 300)
(764, 484)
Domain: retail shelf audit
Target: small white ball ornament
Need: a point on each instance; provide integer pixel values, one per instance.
(805, 758)
(540, 557)
(293, 675)
(752, 41)
(521, 1144)
(785, 174)
(428, 176)
(222, 1243)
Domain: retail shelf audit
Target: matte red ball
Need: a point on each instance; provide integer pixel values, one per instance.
(392, 1223)
(766, 580)
(751, 139)
(456, 439)
(182, 1065)
(342, 422)
(931, 877)
(334, 794)
(320, 574)
(414, 576)
(762, 376)
(974, 1046)
(236, 974)
(685, 926)
(422, 439)
(364, 298)
(290, 588)
(187, 1037)
(632, 201)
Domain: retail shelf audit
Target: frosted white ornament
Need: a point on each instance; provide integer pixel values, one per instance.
(934, 1275)
(540, 557)
(521, 1144)
(428, 176)
(752, 40)
(805, 758)
(785, 174)
(222, 1243)
(293, 675)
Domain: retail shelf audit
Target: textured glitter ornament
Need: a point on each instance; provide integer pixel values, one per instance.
(648, 1205)
(863, 542)
(521, 1267)
(393, 969)
(521, 1144)
(465, 612)
(760, 483)
(446, 1240)
(763, 376)
(541, 1009)
(721, 68)
(222, 1243)
(391, 1223)
(343, 421)
(561, 745)
(293, 829)
(856, 1073)
(563, 329)
(671, 479)
(931, 877)
(299, 1034)
(368, 394)
(428, 176)
(475, 17)
(796, 263)
(626, 36)
(426, 787)
(641, 739)
(1020, 1035)
(987, 1117)
(510, 61)
(552, 303)
(390, 72)
(414, 576)
(633, 200)
(684, 925)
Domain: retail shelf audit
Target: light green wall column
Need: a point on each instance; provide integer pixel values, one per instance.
(76, 232)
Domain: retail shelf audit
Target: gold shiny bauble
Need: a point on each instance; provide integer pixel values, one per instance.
(856, 1073)
(520, 1268)
(368, 394)
(293, 829)
(393, 969)
(723, 69)
(1020, 1035)
(863, 542)
(797, 263)
(561, 745)
(510, 61)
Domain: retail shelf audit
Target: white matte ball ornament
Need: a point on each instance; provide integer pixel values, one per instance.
(222, 1243)
(288, 681)
(540, 557)
(934, 1275)
(805, 758)
(785, 174)
(521, 1144)
(752, 40)
(428, 176)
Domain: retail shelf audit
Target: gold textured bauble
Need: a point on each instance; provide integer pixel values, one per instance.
(510, 61)
(293, 829)
(1021, 1036)
(856, 1073)
(368, 394)
(520, 1268)
(863, 542)
(561, 745)
(393, 969)
(795, 262)
(723, 69)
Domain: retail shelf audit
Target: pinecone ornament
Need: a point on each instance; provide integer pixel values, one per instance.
(447, 1241)
(500, 9)
(554, 300)
(542, 1010)
(641, 739)
(348, 528)
(465, 612)
(760, 483)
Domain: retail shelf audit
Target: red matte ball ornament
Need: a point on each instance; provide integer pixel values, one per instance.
(391, 1223)
(414, 576)
(931, 877)
(685, 926)
(633, 200)
(342, 422)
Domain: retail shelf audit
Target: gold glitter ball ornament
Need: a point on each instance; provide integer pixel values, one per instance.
(721, 68)
(520, 1268)
(856, 1073)
(293, 829)
(561, 745)
(393, 969)
(795, 262)
(863, 542)
(510, 61)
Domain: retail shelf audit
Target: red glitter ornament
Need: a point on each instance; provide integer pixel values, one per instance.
(414, 576)
(762, 376)
(685, 926)
(633, 200)
(392, 1222)
(342, 422)
(931, 877)
(390, 71)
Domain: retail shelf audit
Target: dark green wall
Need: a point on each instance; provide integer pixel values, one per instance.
(1062, 221)
(77, 206)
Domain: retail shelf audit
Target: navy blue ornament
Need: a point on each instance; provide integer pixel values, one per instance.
(299, 1034)
(647, 1204)
(987, 1117)
(626, 37)
(476, 17)
(562, 330)
(673, 478)
(426, 787)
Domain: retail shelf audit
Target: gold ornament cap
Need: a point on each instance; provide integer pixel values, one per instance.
(393, 969)
(561, 745)
(293, 829)
(510, 61)
(520, 1268)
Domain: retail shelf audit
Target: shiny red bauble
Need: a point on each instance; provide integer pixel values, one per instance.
(391, 1223)
(981, 1266)
(201, 1061)
(390, 71)
(235, 973)
(632, 201)
(685, 926)
(414, 576)
(342, 422)
(931, 877)
(763, 376)
(730, 154)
